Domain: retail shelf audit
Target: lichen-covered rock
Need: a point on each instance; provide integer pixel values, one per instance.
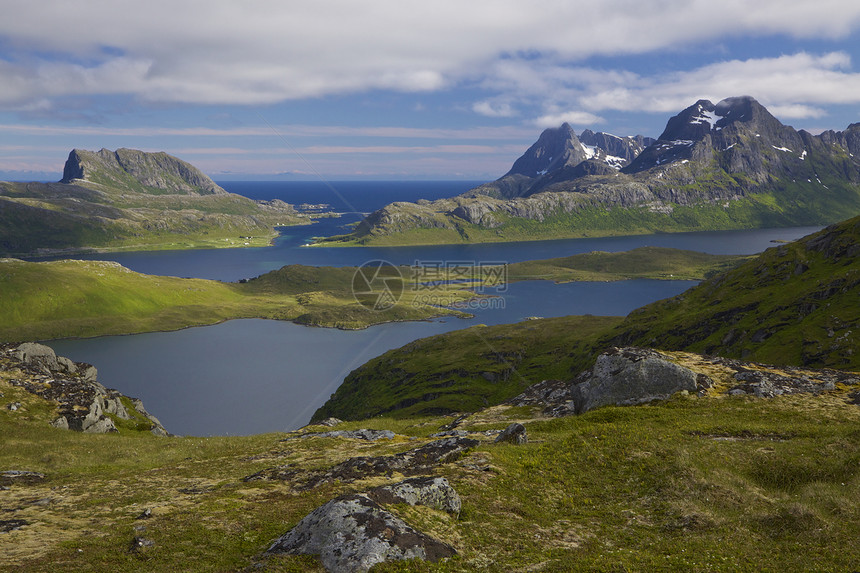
(363, 434)
(429, 491)
(20, 477)
(354, 533)
(627, 376)
(513, 434)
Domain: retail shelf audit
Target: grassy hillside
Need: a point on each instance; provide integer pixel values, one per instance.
(694, 484)
(798, 304)
(91, 298)
(466, 370)
(785, 203)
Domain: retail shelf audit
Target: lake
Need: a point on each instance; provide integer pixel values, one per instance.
(252, 376)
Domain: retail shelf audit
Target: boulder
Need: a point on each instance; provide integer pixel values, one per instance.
(628, 376)
(430, 491)
(513, 434)
(354, 533)
(38, 356)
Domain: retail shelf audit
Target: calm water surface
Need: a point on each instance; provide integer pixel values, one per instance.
(251, 376)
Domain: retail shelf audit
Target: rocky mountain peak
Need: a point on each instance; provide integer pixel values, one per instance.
(705, 128)
(138, 171)
(555, 148)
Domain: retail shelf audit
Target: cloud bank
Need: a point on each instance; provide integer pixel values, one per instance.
(261, 52)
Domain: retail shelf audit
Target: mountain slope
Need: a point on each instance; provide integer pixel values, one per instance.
(796, 304)
(729, 165)
(132, 199)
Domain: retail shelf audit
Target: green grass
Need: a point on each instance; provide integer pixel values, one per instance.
(796, 304)
(693, 484)
(466, 370)
(71, 298)
(783, 203)
(644, 262)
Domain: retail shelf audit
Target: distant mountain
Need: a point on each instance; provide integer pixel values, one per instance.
(559, 154)
(137, 171)
(728, 165)
(132, 199)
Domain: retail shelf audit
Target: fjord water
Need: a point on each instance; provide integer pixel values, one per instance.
(251, 376)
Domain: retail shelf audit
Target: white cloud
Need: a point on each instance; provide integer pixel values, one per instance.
(494, 109)
(793, 84)
(264, 51)
(571, 117)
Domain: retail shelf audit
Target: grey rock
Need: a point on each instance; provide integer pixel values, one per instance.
(513, 434)
(37, 355)
(450, 433)
(21, 477)
(354, 533)
(61, 423)
(140, 544)
(7, 525)
(628, 376)
(330, 422)
(429, 491)
(14, 406)
(363, 434)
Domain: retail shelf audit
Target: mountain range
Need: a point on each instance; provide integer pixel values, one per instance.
(728, 165)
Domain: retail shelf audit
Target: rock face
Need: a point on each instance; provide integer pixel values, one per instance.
(160, 172)
(513, 434)
(354, 533)
(83, 404)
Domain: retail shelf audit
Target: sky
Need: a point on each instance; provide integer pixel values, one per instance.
(398, 89)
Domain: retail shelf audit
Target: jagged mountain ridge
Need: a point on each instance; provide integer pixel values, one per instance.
(729, 165)
(559, 154)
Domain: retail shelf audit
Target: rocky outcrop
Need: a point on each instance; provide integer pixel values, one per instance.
(354, 533)
(411, 462)
(83, 404)
(513, 434)
(133, 169)
(629, 376)
(362, 434)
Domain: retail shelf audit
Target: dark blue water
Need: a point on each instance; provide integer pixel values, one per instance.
(251, 376)
(289, 248)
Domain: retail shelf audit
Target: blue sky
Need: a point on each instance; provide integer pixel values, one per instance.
(339, 89)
